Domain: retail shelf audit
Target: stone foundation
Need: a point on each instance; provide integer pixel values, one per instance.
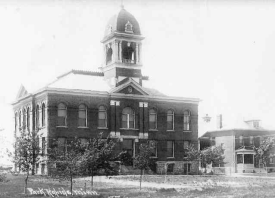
(179, 167)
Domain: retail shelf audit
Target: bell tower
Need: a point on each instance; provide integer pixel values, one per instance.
(122, 47)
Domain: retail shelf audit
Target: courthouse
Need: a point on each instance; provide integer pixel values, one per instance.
(117, 101)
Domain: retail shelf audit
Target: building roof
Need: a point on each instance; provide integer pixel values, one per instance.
(117, 23)
(88, 81)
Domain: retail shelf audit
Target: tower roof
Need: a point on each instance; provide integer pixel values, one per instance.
(118, 23)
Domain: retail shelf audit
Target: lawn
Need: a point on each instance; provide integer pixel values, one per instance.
(208, 186)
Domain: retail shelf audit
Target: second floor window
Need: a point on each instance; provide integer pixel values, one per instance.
(28, 118)
(62, 115)
(24, 119)
(170, 120)
(128, 118)
(43, 114)
(16, 122)
(152, 119)
(20, 118)
(82, 116)
(43, 146)
(37, 116)
(186, 120)
(102, 117)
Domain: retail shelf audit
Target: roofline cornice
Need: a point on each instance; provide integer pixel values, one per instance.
(133, 37)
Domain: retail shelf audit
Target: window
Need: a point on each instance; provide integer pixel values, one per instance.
(16, 122)
(128, 145)
(154, 150)
(170, 168)
(61, 144)
(128, 27)
(248, 159)
(256, 124)
(28, 119)
(239, 158)
(152, 119)
(37, 168)
(43, 115)
(43, 146)
(62, 115)
(170, 148)
(82, 116)
(170, 120)
(241, 140)
(20, 123)
(251, 140)
(128, 118)
(271, 160)
(102, 117)
(186, 120)
(24, 119)
(37, 116)
(185, 147)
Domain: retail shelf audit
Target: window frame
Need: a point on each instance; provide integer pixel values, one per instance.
(37, 116)
(153, 112)
(128, 118)
(65, 117)
(43, 115)
(187, 124)
(102, 110)
(82, 108)
(173, 119)
(173, 149)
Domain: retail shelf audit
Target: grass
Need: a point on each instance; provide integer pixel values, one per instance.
(212, 186)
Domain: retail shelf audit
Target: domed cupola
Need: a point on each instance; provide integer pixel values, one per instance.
(123, 22)
(122, 44)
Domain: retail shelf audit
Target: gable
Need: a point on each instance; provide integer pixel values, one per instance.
(22, 92)
(130, 90)
(130, 87)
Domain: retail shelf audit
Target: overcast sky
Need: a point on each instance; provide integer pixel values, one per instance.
(219, 51)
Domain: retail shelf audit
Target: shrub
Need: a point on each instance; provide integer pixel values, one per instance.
(3, 177)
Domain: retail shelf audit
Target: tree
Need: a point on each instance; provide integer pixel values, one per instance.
(66, 159)
(263, 153)
(212, 154)
(98, 155)
(143, 159)
(27, 151)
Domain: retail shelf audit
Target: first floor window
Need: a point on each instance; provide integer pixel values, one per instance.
(43, 114)
(128, 145)
(62, 115)
(154, 148)
(128, 118)
(62, 148)
(170, 148)
(43, 146)
(170, 168)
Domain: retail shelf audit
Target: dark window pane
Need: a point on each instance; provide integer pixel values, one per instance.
(61, 121)
(169, 125)
(82, 122)
(239, 159)
(248, 158)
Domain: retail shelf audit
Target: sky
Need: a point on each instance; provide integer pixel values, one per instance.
(219, 51)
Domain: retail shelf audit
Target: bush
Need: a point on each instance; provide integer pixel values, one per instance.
(3, 177)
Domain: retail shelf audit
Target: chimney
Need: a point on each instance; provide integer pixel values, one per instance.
(219, 121)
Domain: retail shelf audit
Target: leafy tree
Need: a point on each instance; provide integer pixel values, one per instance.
(212, 154)
(143, 159)
(66, 159)
(98, 155)
(125, 158)
(263, 152)
(26, 153)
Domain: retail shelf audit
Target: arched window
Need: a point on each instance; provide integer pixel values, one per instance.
(128, 118)
(28, 119)
(102, 117)
(16, 122)
(43, 115)
(82, 116)
(20, 119)
(61, 115)
(128, 52)
(170, 120)
(186, 120)
(37, 116)
(24, 119)
(109, 54)
(152, 119)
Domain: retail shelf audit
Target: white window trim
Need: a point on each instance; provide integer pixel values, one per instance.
(173, 146)
(105, 112)
(173, 129)
(128, 121)
(156, 122)
(65, 126)
(86, 119)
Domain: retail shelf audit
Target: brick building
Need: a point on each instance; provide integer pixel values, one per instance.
(238, 142)
(117, 101)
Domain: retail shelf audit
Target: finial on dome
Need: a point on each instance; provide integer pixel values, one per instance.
(122, 6)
